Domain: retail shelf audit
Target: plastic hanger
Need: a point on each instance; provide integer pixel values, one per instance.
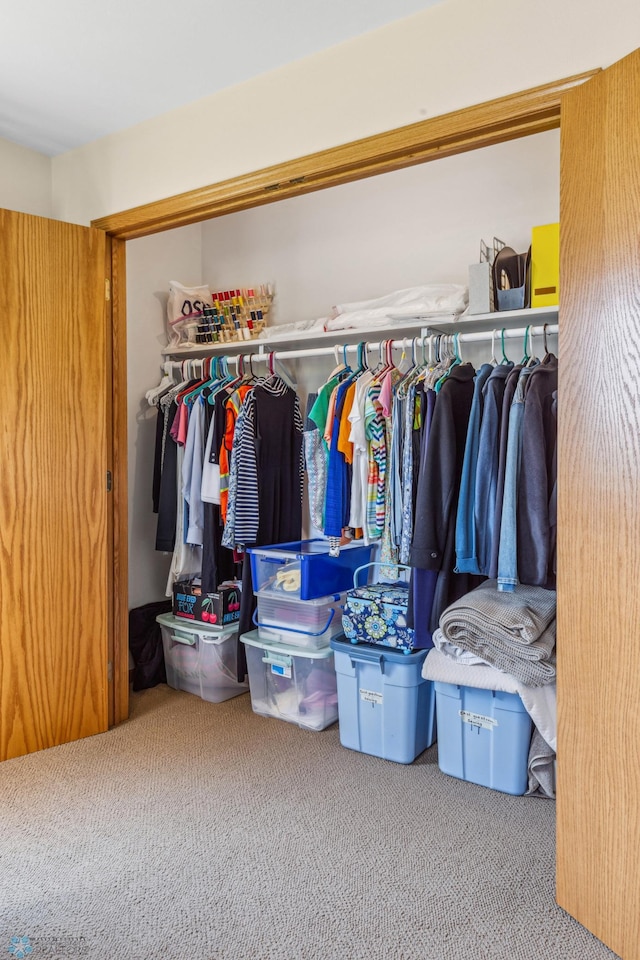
(494, 359)
(412, 370)
(361, 359)
(456, 361)
(340, 367)
(167, 381)
(505, 358)
(194, 393)
(281, 371)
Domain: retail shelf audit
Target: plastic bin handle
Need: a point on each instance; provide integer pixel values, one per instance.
(380, 662)
(378, 563)
(280, 560)
(307, 633)
(190, 643)
(279, 659)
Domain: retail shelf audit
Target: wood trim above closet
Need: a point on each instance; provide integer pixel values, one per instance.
(495, 121)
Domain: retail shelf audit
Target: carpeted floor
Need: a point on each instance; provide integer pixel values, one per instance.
(202, 830)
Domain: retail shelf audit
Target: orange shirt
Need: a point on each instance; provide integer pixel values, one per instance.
(344, 444)
(232, 410)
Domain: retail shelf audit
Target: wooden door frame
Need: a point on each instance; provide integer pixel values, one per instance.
(495, 121)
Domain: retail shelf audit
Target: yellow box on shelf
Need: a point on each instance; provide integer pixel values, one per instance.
(545, 265)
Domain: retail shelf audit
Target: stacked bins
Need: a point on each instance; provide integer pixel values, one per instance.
(300, 597)
(386, 707)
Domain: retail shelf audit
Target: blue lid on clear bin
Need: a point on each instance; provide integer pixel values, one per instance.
(377, 654)
(305, 569)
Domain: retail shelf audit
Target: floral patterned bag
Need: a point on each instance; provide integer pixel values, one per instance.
(377, 614)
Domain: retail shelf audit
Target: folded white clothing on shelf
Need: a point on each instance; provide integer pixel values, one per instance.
(429, 301)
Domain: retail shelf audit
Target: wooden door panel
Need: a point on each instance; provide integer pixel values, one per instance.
(598, 870)
(53, 500)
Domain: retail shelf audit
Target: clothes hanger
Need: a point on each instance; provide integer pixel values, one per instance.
(444, 358)
(191, 395)
(494, 359)
(361, 359)
(281, 372)
(547, 354)
(455, 362)
(533, 360)
(410, 372)
(505, 358)
(340, 366)
(167, 381)
(222, 379)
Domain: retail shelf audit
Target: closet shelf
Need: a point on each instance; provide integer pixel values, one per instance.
(506, 319)
(499, 320)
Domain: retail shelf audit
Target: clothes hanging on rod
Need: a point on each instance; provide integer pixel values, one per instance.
(415, 460)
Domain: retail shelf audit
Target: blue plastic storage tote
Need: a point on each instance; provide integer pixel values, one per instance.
(303, 570)
(483, 736)
(385, 706)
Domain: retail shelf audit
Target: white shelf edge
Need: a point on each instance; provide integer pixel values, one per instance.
(480, 321)
(308, 336)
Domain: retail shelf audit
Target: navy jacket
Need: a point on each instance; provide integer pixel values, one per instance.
(433, 545)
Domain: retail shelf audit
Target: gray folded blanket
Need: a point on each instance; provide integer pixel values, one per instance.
(514, 632)
(541, 768)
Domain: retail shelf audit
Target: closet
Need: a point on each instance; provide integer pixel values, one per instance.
(599, 468)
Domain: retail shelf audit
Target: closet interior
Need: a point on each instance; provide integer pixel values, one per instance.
(349, 243)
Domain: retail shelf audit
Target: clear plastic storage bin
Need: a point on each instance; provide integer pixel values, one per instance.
(303, 570)
(302, 623)
(483, 736)
(386, 707)
(199, 660)
(290, 684)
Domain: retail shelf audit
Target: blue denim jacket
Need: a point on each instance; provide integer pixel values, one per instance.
(488, 464)
(508, 552)
(466, 556)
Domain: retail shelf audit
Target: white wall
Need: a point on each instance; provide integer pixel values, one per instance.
(151, 263)
(400, 229)
(25, 180)
(449, 56)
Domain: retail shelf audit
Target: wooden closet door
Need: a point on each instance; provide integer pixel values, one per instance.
(54, 566)
(598, 858)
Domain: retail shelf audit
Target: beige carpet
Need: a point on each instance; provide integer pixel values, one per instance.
(202, 830)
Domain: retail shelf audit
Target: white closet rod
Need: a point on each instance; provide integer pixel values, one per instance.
(475, 337)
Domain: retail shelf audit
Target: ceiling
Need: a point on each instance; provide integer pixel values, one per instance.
(75, 70)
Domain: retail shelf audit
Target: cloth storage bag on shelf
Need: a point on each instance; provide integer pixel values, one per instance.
(200, 660)
(302, 623)
(291, 684)
(377, 613)
(385, 707)
(483, 736)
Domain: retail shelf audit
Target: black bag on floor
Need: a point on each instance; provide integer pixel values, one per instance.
(145, 644)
